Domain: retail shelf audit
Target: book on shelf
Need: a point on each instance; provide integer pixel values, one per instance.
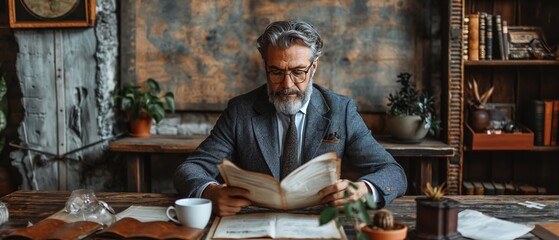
(547, 231)
(473, 39)
(482, 38)
(298, 190)
(488, 37)
(548, 117)
(500, 40)
(505, 39)
(555, 123)
(274, 226)
(534, 119)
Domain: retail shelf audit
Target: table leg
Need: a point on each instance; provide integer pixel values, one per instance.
(426, 173)
(136, 181)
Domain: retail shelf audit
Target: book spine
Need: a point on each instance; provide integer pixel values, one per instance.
(489, 37)
(555, 123)
(548, 116)
(506, 39)
(482, 17)
(465, 37)
(534, 120)
(499, 34)
(473, 40)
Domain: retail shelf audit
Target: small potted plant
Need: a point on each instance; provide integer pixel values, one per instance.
(436, 215)
(381, 226)
(411, 114)
(143, 104)
(479, 118)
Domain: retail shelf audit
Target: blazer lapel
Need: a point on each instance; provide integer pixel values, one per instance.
(265, 129)
(317, 122)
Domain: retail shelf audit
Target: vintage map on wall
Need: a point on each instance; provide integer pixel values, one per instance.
(205, 51)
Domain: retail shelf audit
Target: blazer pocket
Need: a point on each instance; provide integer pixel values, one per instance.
(331, 138)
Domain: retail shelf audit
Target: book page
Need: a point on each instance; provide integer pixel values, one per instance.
(245, 226)
(301, 187)
(304, 226)
(144, 213)
(476, 225)
(264, 189)
(275, 225)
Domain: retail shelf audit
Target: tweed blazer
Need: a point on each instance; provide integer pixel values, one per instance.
(247, 134)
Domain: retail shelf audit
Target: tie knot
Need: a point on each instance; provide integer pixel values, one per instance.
(292, 117)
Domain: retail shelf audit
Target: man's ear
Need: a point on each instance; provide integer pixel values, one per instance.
(315, 63)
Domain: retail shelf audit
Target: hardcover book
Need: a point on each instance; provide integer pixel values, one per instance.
(489, 37)
(298, 190)
(500, 40)
(482, 21)
(534, 119)
(51, 228)
(473, 40)
(547, 231)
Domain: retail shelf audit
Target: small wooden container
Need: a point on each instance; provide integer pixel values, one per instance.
(523, 140)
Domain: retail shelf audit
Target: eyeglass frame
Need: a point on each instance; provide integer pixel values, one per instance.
(290, 77)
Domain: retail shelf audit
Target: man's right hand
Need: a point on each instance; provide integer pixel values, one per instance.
(226, 200)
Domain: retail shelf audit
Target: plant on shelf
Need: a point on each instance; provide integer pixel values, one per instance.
(476, 100)
(381, 226)
(411, 113)
(437, 215)
(143, 104)
(478, 118)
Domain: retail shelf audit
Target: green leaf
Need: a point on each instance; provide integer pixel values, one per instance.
(153, 85)
(327, 215)
(170, 100)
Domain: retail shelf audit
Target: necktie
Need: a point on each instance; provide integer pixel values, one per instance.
(289, 156)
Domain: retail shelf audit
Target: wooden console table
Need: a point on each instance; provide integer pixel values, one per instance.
(139, 150)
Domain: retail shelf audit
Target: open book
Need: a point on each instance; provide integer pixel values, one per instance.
(274, 226)
(298, 190)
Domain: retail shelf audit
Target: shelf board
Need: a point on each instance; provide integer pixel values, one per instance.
(428, 148)
(489, 63)
(534, 149)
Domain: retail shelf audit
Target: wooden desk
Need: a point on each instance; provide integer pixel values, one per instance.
(32, 206)
(139, 149)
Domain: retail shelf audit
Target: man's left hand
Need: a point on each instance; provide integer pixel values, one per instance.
(334, 194)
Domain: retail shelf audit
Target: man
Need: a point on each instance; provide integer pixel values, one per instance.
(253, 130)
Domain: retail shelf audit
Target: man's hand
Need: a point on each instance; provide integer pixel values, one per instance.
(334, 194)
(226, 200)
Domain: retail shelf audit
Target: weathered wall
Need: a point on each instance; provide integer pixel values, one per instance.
(206, 52)
(66, 76)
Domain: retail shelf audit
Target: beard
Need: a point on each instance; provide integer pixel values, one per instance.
(285, 104)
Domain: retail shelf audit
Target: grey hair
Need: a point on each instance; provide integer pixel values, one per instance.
(283, 34)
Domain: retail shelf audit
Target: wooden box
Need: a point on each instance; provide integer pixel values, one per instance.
(523, 140)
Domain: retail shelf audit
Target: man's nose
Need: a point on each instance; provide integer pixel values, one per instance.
(287, 81)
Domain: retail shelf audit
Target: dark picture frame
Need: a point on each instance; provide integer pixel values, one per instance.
(83, 15)
(502, 112)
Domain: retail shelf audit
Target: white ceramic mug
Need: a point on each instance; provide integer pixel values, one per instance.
(191, 212)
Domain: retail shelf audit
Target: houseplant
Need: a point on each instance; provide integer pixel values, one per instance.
(478, 118)
(381, 226)
(143, 104)
(411, 113)
(436, 215)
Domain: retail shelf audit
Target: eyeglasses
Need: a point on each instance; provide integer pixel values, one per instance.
(297, 76)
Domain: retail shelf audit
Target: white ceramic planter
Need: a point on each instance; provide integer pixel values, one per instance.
(406, 129)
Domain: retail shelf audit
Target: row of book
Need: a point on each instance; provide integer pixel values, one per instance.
(485, 37)
(495, 188)
(543, 119)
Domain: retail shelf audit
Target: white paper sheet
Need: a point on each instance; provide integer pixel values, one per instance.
(476, 225)
(144, 213)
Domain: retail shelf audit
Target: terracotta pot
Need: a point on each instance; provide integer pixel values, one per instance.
(479, 119)
(436, 219)
(406, 129)
(400, 232)
(141, 127)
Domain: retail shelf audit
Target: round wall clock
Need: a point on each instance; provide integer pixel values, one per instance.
(50, 9)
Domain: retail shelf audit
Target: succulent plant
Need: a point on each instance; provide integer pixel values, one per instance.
(476, 100)
(435, 193)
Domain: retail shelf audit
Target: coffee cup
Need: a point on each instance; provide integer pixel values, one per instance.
(191, 212)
